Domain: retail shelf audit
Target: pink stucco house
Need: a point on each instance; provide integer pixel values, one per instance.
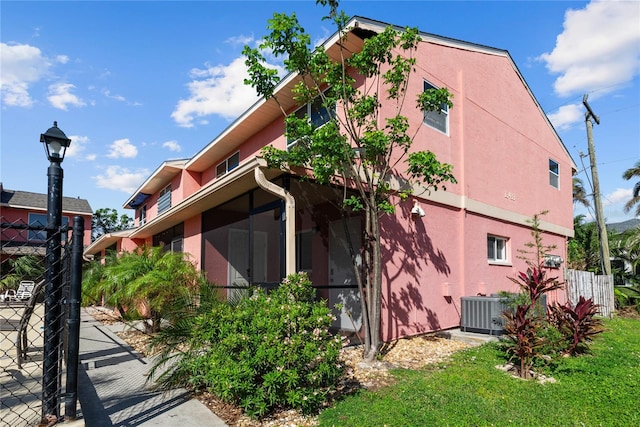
(245, 223)
(28, 208)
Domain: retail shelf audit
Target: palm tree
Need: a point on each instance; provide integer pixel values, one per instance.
(633, 172)
(150, 279)
(579, 192)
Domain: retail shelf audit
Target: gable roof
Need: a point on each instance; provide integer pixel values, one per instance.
(356, 30)
(37, 201)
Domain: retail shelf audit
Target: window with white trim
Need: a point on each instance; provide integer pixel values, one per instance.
(164, 199)
(316, 112)
(228, 164)
(497, 249)
(436, 119)
(554, 174)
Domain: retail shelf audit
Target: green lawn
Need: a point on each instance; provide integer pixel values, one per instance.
(598, 389)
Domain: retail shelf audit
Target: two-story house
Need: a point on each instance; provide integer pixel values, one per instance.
(30, 209)
(244, 223)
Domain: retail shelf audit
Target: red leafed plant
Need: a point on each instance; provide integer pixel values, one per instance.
(534, 283)
(521, 329)
(577, 324)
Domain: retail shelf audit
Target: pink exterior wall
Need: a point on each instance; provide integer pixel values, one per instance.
(21, 216)
(192, 243)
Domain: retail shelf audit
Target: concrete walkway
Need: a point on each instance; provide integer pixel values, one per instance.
(112, 387)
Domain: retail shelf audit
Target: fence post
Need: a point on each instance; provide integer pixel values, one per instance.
(73, 320)
(52, 323)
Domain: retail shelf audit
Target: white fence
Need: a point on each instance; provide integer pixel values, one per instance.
(588, 285)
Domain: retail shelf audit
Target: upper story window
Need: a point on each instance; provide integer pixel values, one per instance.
(497, 249)
(554, 174)
(228, 165)
(316, 112)
(40, 220)
(143, 215)
(436, 119)
(164, 200)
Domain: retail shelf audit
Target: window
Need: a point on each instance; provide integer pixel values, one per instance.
(554, 174)
(164, 200)
(316, 112)
(496, 249)
(40, 220)
(304, 251)
(143, 215)
(170, 239)
(228, 165)
(437, 119)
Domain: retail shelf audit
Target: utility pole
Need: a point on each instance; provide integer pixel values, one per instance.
(602, 229)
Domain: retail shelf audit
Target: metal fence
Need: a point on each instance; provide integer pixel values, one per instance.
(589, 285)
(34, 323)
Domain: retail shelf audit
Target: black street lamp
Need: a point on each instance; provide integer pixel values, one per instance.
(55, 143)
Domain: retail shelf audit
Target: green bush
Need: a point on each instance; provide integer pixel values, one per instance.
(267, 351)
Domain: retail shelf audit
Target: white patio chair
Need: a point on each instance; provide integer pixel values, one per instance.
(25, 290)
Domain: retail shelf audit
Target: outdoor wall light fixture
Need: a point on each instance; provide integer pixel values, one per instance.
(417, 210)
(55, 143)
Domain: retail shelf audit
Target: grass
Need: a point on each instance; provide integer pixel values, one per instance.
(598, 389)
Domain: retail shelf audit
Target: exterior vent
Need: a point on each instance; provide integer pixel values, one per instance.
(482, 314)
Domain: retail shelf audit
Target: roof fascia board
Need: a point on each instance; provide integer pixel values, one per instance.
(34, 208)
(166, 165)
(283, 83)
(203, 192)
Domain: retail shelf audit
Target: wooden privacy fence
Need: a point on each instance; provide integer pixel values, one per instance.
(587, 284)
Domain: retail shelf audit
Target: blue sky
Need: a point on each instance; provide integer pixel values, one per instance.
(136, 83)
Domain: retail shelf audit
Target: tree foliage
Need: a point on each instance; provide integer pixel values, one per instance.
(361, 148)
(107, 220)
(631, 173)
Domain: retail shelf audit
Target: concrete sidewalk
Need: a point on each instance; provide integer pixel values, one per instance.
(112, 389)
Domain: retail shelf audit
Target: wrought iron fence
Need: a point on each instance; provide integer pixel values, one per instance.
(24, 325)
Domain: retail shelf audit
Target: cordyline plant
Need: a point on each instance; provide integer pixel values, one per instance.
(534, 283)
(522, 332)
(522, 326)
(357, 149)
(577, 324)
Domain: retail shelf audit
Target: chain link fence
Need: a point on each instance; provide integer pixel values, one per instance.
(31, 340)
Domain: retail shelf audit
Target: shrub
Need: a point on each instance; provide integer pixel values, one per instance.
(578, 324)
(526, 321)
(267, 351)
(523, 342)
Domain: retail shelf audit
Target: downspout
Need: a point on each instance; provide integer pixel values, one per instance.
(289, 218)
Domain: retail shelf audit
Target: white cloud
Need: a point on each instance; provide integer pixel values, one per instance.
(565, 116)
(172, 146)
(119, 178)
(599, 48)
(60, 96)
(239, 40)
(77, 148)
(122, 148)
(22, 65)
(620, 195)
(215, 90)
(107, 93)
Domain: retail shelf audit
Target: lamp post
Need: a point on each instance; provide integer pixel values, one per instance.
(55, 144)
